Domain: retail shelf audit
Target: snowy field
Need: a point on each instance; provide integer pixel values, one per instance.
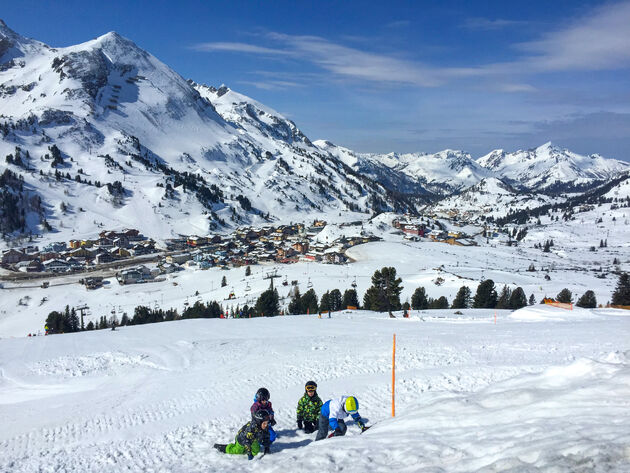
(541, 390)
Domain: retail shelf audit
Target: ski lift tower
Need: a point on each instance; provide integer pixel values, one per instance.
(272, 275)
(83, 309)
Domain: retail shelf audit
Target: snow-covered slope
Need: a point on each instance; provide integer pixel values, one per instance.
(104, 111)
(491, 197)
(541, 391)
(440, 173)
(550, 168)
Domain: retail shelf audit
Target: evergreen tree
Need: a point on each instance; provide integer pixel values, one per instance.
(486, 295)
(384, 294)
(588, 300)
(565, 296)
(621, 295)
(439, 303)
(124, 319)
(267, 304)
(248, 271)
(324, 303)
(462, 298)
(532, 300)
(309, 302)
(74, 325)
(504, 298)
(223, 282)
(518, 299)
(350, 299)
(419, 299)
(295, 306)
(335, 300)
(90, 325)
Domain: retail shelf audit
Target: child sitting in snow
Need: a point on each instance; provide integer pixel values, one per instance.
(262, 402)
(250, 438)
(308, 408)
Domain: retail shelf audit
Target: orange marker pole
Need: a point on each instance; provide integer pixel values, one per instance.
(394, 378)
(495, 316)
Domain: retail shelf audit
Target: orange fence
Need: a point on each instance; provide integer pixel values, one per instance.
(562, 305)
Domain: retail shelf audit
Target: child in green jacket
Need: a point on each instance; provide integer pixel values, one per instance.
(308, 408)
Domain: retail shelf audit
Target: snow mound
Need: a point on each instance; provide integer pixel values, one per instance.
(543, 313)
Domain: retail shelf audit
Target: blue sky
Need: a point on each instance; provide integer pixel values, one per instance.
(389, 76)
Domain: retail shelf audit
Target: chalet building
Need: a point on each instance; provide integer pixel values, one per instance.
(103, 257)
(33, 266)
(13, 256)
(335, 257)
(179, 258)
(300, 246)
(48, 256)
(135, 275)
(56, 266)
(56, 247)
(413, 230)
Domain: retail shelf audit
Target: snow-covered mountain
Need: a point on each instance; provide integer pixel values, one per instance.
(550, 168)
(491, 197)
(103, 133)
(440, 173)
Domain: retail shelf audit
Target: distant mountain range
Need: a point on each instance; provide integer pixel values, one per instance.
(104, 135)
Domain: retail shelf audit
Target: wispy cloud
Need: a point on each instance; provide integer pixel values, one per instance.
(239, 48)
(485, 24)
(599, 41)
(271, 85)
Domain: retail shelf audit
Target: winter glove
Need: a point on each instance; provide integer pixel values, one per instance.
(250, 456)
(273, 422)
(332, 434)
(300, 424)
(267, 450)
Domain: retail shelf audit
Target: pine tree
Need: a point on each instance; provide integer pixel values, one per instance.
(532, 300)
(621, 295)
(419, 299)
(504, 298)
(295, 306)
(268, 303)
(486, 295)
(439, 303)
(350, 299)
(248, 271)
(462, 298)
(335, 300)
(384, 294)
(309, 302)
(324, 303)
(223, 282)
(517, 299)
(588, 300)
(565, 296)
(90, 325)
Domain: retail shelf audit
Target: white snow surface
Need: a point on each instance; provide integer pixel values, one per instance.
(541, 389)
(472, 395)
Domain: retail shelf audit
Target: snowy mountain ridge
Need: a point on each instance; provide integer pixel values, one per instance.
(107, 112)
(549, 168)
(104, 135)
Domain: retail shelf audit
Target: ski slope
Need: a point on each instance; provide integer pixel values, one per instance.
(540, 390)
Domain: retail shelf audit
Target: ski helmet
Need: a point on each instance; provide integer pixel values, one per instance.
(352, 405)
(262, 394)
(261, 416)
(310, 386)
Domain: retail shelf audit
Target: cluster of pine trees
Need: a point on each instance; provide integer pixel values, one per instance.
(382, 296)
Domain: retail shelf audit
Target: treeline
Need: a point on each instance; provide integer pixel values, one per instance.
(382, 296)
